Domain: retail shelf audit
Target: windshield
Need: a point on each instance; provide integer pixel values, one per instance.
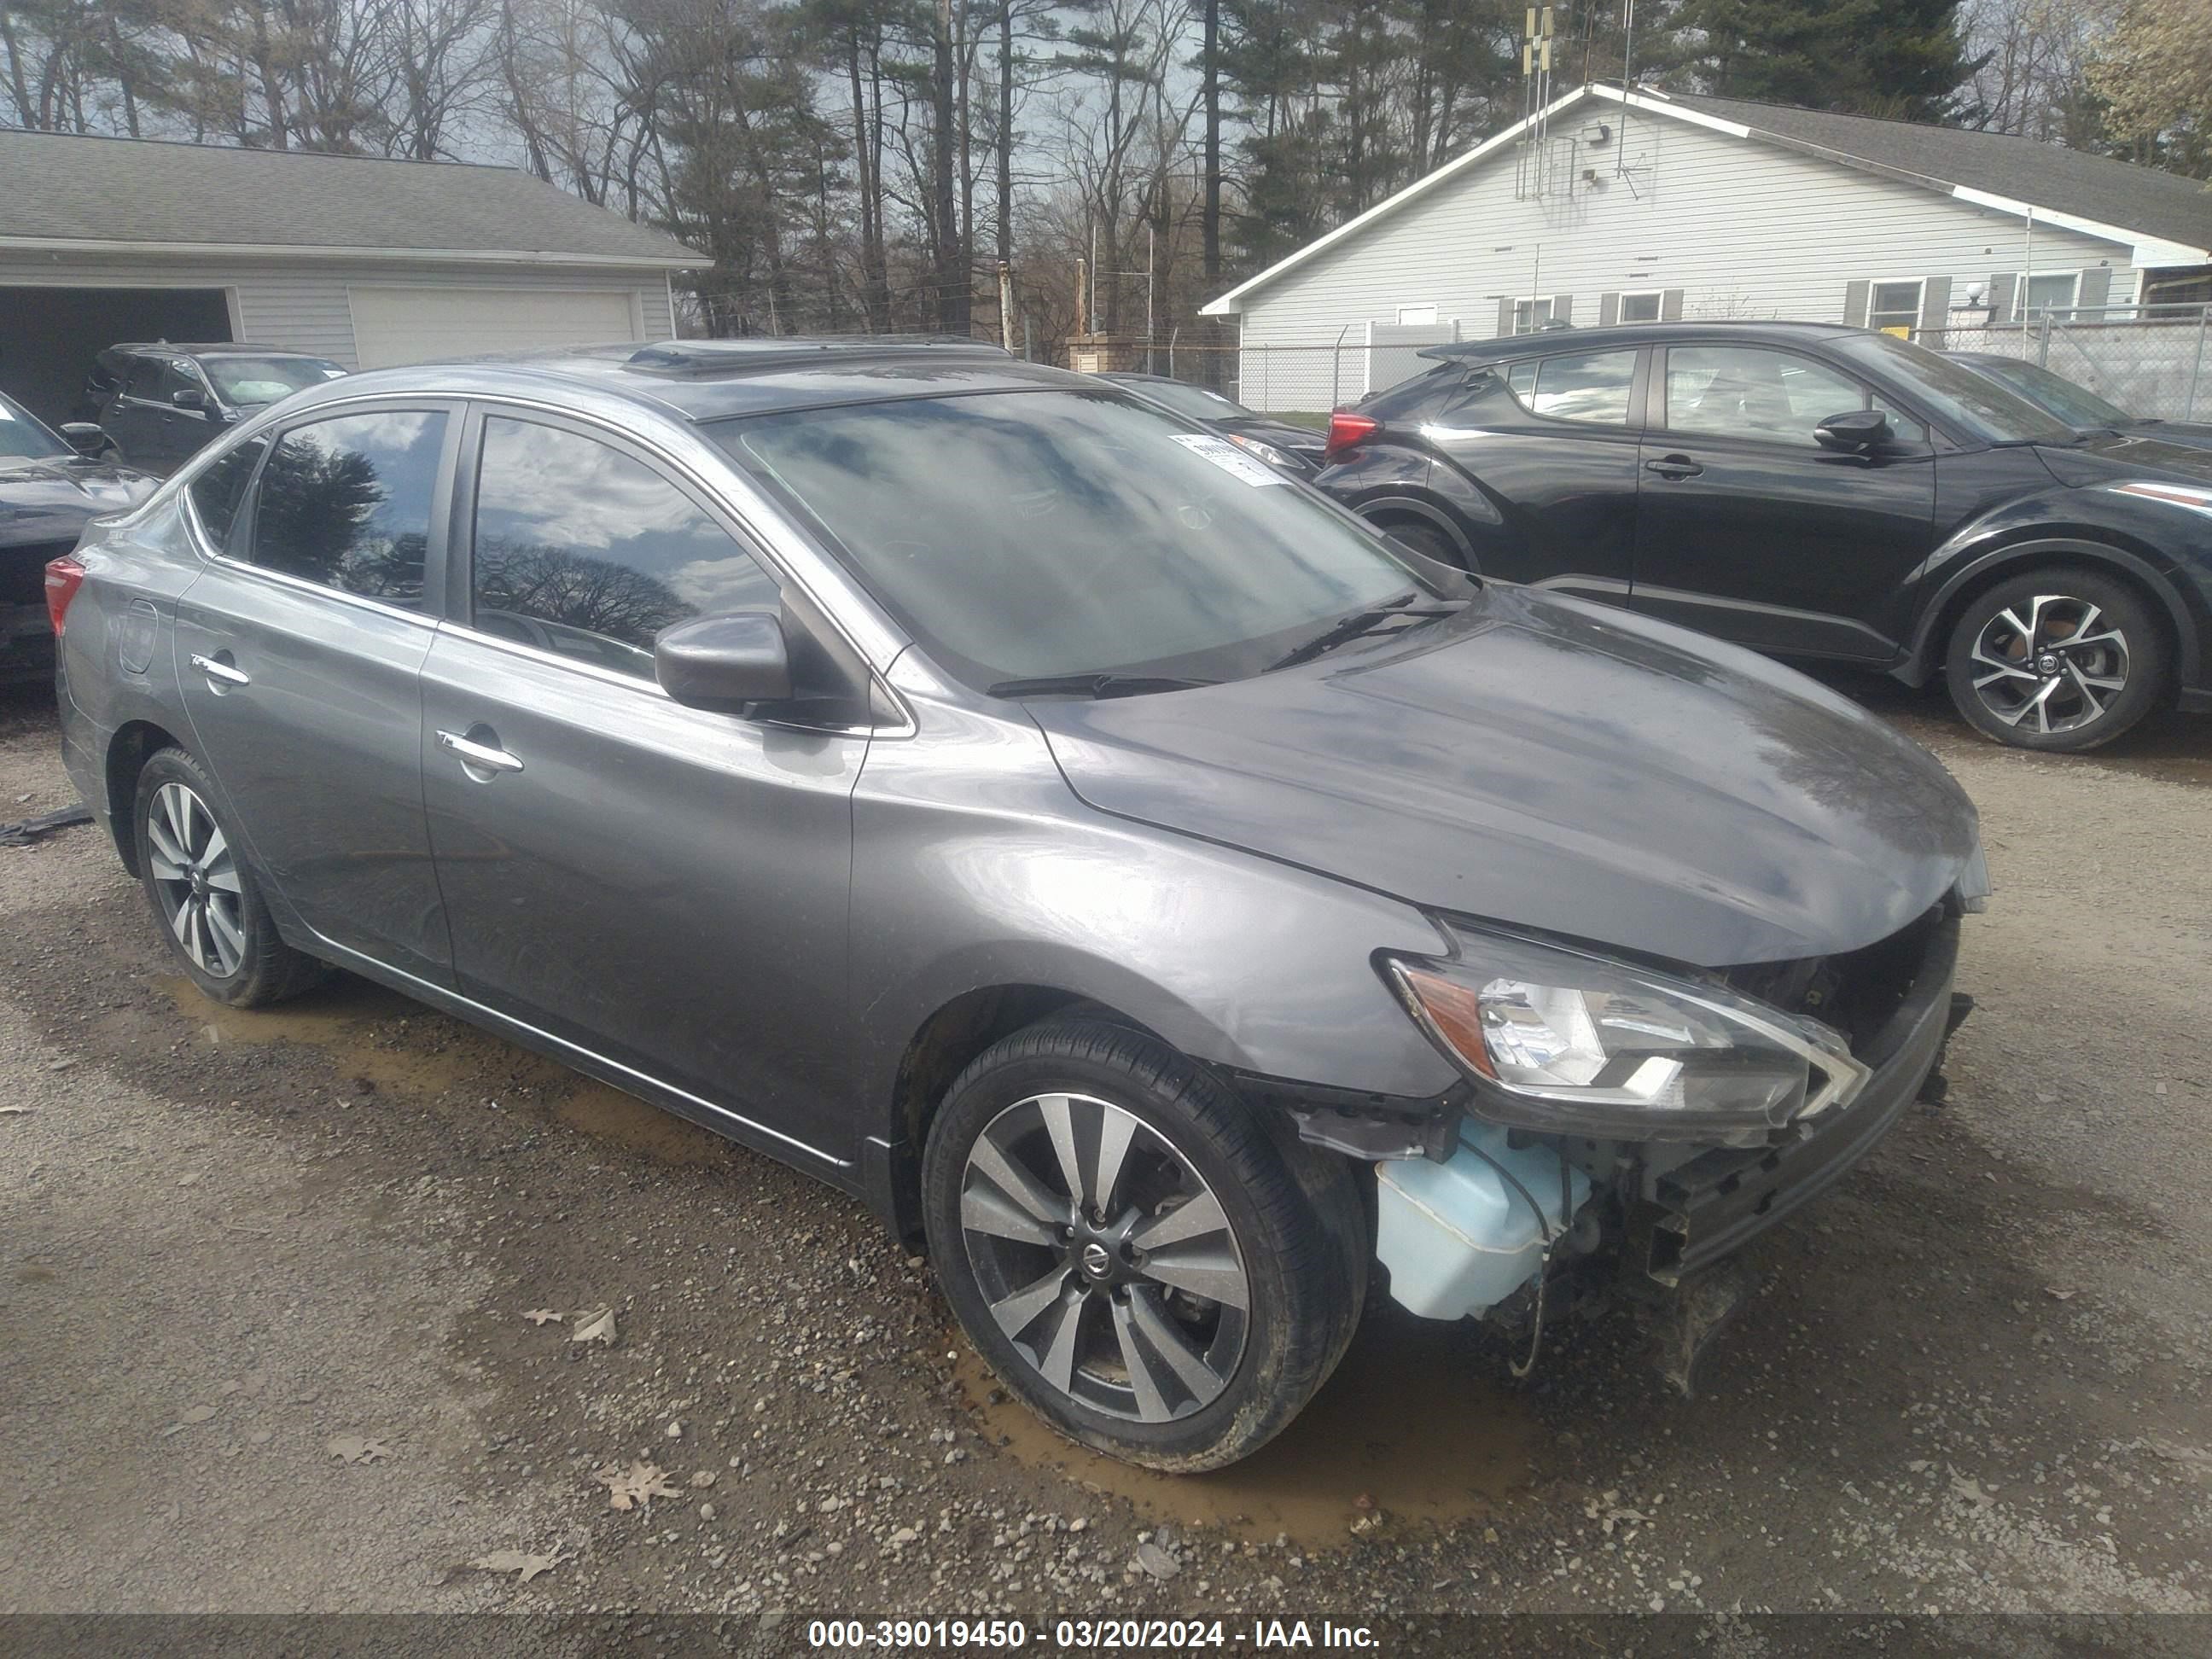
(240, 380)
(24, 439)
(2076, 405)
(1194, 401)
(1060, 532)
(1955, 394)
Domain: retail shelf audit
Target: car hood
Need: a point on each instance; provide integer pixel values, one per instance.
(2136, 452)
(1553, 765)
(1299, 439)
(46, 501)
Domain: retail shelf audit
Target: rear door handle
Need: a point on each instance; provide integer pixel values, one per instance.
(484, 757)
(1674, 466)
(217, 669)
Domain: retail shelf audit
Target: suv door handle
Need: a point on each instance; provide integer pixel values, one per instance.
(223, 672)
(1674, 466)
(483, 756)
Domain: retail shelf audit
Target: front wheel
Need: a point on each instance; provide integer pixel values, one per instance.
(1136, 1257)
(2059, 659)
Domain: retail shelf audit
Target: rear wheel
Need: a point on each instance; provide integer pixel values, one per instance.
(2058, 659)
(1136, 1258)
(211, 912)
(1426, 540)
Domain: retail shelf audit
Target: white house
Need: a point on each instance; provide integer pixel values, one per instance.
(366, 261)
(1614, 206)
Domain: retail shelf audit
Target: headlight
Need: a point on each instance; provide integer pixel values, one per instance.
(1974, 882)
(1569, 1043)
(2195, 498)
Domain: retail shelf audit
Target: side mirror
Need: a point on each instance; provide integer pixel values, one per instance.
(722, 662)
(1855, 432)
(88, 439)
(189, 396)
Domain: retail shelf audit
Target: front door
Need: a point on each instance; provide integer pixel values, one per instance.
(1747, 528)
(299, 653)
(664, 887)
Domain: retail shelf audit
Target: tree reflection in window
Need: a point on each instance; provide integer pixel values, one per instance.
(585, 552)
(346, 502)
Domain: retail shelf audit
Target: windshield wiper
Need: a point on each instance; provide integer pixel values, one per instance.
(1359, 622)
(1092, 685)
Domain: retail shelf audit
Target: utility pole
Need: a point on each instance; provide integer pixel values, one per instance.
(1006, 304)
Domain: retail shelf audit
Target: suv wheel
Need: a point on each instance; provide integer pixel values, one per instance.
(1132, 1253)
(211, 911)
(1426, 540)
(2057, 659)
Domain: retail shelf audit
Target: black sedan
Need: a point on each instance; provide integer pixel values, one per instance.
(2079, 407)
(1815, 492)
(1296, 449)
(50, 485)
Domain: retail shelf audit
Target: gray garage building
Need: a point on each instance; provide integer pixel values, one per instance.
(366, 261)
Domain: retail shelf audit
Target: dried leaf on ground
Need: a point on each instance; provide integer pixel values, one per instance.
(637, 1487)
(15, 1111)
(544, 1316)
(1157, 1561)
(523, 1564)
(358, 1449)
(595, 1328)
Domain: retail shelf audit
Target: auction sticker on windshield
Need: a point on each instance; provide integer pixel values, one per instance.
(1230, 459)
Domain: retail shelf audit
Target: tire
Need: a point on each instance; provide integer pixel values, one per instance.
(1426, 540)
(205, 898)
(2061, 660)
(1083, 1322)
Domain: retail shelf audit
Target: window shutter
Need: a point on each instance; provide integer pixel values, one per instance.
(2096, 286)
(1505, 317)
(1670, 305)
(1563, 308)
(1935, 302)
(1855, 304)
(1608, 310)
(2003, 287)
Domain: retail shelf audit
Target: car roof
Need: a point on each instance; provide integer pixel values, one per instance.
(1547, 340)
(714, 380)
(208, 349)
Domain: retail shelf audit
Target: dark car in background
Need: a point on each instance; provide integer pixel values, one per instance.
(2077, 406)
(1815, 492)
(161, 402)
(1026, 811)
(50, 485)
(1296, 449)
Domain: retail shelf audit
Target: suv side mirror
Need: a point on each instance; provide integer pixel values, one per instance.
(88, 439)
(721, 662)
(1855, 431)
(189, 396)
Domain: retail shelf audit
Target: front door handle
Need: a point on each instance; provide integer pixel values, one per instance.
(479, 757)
(215, 669)
(1674, 466)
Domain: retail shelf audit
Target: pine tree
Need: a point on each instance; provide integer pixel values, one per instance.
(1904, 59)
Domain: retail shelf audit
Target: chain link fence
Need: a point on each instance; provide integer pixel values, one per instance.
(2153, 361)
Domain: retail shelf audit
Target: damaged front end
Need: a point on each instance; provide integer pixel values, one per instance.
(1629, 1130)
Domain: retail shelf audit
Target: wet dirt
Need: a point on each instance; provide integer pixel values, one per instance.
(393, 1044)
(1409, 1431)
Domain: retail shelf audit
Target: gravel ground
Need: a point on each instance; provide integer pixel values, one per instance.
(296, 1309)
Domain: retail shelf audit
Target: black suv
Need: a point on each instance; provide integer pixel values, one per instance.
(1812, 491)
(160, 403)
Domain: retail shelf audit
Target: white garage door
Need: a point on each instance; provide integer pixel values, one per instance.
(416, 324)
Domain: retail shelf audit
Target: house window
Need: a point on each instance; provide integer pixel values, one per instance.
(1641, 307)
(2051, 291)
(1529, 315)
(1417, 316)
(1894, 307)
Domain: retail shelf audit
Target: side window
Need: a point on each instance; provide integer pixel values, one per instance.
(145, 379)
(1776, 397)
(346, 502)
(583, 551)
(1581, 385)
(175, 378)
(218, 491)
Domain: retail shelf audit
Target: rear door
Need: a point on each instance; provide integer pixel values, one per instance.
(1748, 529)
(299, 651)
(133, 417)
(1551, 442)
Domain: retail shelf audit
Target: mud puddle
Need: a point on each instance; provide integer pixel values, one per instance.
(1410, 1430)
(401, 1046)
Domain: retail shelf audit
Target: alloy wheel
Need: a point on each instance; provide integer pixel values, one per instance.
(1105, 1257)
(197, 878)
(2054, 665)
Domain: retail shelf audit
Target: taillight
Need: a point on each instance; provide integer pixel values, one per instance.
(64, 577)
(1346, 429)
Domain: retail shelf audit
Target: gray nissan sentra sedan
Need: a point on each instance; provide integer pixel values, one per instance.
(1188, 911)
